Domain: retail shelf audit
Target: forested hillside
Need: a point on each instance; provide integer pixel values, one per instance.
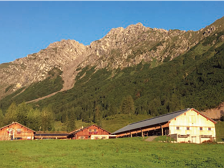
(194, 79)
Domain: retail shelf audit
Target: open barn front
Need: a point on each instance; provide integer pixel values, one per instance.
(154, 130)
(41, 135)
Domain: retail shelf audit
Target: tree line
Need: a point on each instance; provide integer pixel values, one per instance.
(44, 119)
(38, 120)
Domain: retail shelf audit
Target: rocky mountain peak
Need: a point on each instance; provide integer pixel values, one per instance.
(113, 32)
(66, 43)
(138, 27)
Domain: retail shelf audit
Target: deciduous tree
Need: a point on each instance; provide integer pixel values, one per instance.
(11, 114)
(47, 119)
(1, 118)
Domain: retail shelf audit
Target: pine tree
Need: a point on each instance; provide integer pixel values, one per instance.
(97, 118)
(112, 110)
(70, 121)
(174, 104)
(127, 105)
(153, 107)
(78, 111)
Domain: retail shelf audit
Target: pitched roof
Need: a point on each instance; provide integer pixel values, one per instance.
(80, 129)
(16, 123)
(151, 121)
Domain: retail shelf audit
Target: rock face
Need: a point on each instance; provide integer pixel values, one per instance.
(121, 47)
(35, 67)
(125, 47)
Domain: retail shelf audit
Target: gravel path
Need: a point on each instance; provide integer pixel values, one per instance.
(151, 138)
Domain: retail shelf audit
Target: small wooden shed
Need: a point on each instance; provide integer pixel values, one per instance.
(90, 132)
(16, 131)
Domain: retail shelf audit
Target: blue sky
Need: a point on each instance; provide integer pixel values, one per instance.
(28, 27)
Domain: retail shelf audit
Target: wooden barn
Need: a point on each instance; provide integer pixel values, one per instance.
(16, 131)
(90, 132)
(188, 125)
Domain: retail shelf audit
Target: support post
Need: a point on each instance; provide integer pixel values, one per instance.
(162, 129)
(142, 134)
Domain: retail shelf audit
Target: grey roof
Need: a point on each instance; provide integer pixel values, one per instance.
(152, 121)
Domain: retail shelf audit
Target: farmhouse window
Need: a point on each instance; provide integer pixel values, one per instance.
(183, 136)
(18, 131)
(90, 130)
(177, 128)
(201, 128)
(188, 128)
(95, 130)
(209, 128)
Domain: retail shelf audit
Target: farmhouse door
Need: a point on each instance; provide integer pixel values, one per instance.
(11, 136)
(193, 139)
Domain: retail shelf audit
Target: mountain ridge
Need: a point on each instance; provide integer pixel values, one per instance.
(119, 48)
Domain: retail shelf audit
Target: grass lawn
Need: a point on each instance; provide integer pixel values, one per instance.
(126, 152)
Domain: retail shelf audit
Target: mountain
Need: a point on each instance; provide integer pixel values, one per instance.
(161, 70)
(118, 49)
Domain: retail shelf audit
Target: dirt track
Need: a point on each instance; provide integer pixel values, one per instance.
(151, 138)
(68, 76)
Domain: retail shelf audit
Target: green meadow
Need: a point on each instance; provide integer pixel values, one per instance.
(124, 152)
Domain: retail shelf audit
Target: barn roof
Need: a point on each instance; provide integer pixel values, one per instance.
(156, 120)
(80, 129)
(16, 123)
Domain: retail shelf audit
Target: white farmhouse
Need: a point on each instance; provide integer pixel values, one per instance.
(188, 125)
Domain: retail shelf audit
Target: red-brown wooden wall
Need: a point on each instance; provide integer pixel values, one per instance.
(86, 133)
(16, 131)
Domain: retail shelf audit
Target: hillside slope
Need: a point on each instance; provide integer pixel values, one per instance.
(194, 79)
(162, 71)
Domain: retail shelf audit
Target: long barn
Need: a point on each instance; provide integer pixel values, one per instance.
(188, 125)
